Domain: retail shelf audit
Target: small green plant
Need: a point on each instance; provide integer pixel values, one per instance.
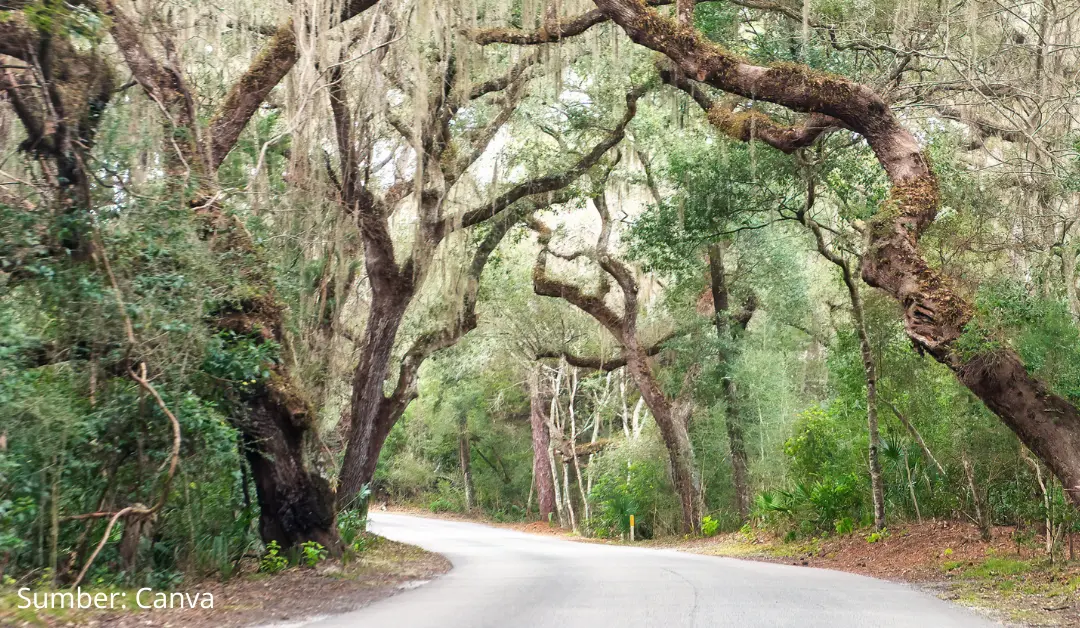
(948, 551)
(441, 504)
(880, 535)
(272, 561)
(844, 525)
(360, 544)
(996, 567)
(709, 526)
(312, 553)
(351, 525)
(950, 565)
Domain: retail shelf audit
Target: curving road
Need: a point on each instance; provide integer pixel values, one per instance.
(503, 578)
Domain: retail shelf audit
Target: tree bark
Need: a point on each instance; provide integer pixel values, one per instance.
(736, 441)
(673, 430)
(369, 421)
(541, 445)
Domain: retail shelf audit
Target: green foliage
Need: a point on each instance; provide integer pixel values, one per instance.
(709, 526)
(995, 566)
(633, 491)
(844, 525)
(443, 504)
(241, 360)
(818, 449)
(272, 561)
(15, 516)
(351, 525)
(877, 536)
(312, 553)
(1041, 330)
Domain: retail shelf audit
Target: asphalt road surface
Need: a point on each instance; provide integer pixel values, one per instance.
(507, 579)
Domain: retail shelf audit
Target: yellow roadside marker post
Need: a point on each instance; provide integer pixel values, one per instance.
(631, 528)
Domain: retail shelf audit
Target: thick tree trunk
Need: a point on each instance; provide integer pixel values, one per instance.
(676, 438)
(295, 505)
(370, 419)
(464, 460)
(736, 442)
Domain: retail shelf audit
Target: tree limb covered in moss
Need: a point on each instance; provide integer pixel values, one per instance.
(750, 125)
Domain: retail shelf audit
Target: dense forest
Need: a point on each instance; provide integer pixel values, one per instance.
(720, 265)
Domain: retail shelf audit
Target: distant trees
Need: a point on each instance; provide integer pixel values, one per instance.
(672, 414)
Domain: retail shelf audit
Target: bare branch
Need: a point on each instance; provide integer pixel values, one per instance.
(554, 182)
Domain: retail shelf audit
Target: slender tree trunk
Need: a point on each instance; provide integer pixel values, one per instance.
(54, 517)
(1048, 520)
(541, 446)
(567, 497)
(877, 485)
(1068, 276)
(560, 505)
(981, 514)
(917, 436)
(736, 441)
(911, 488)
(463, 457)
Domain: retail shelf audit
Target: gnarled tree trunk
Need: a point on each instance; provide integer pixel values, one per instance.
(372, 413)
(672, 423)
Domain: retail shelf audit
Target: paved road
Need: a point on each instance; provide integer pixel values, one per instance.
(506, 579)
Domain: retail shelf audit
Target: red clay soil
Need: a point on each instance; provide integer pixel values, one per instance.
(914, 553)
